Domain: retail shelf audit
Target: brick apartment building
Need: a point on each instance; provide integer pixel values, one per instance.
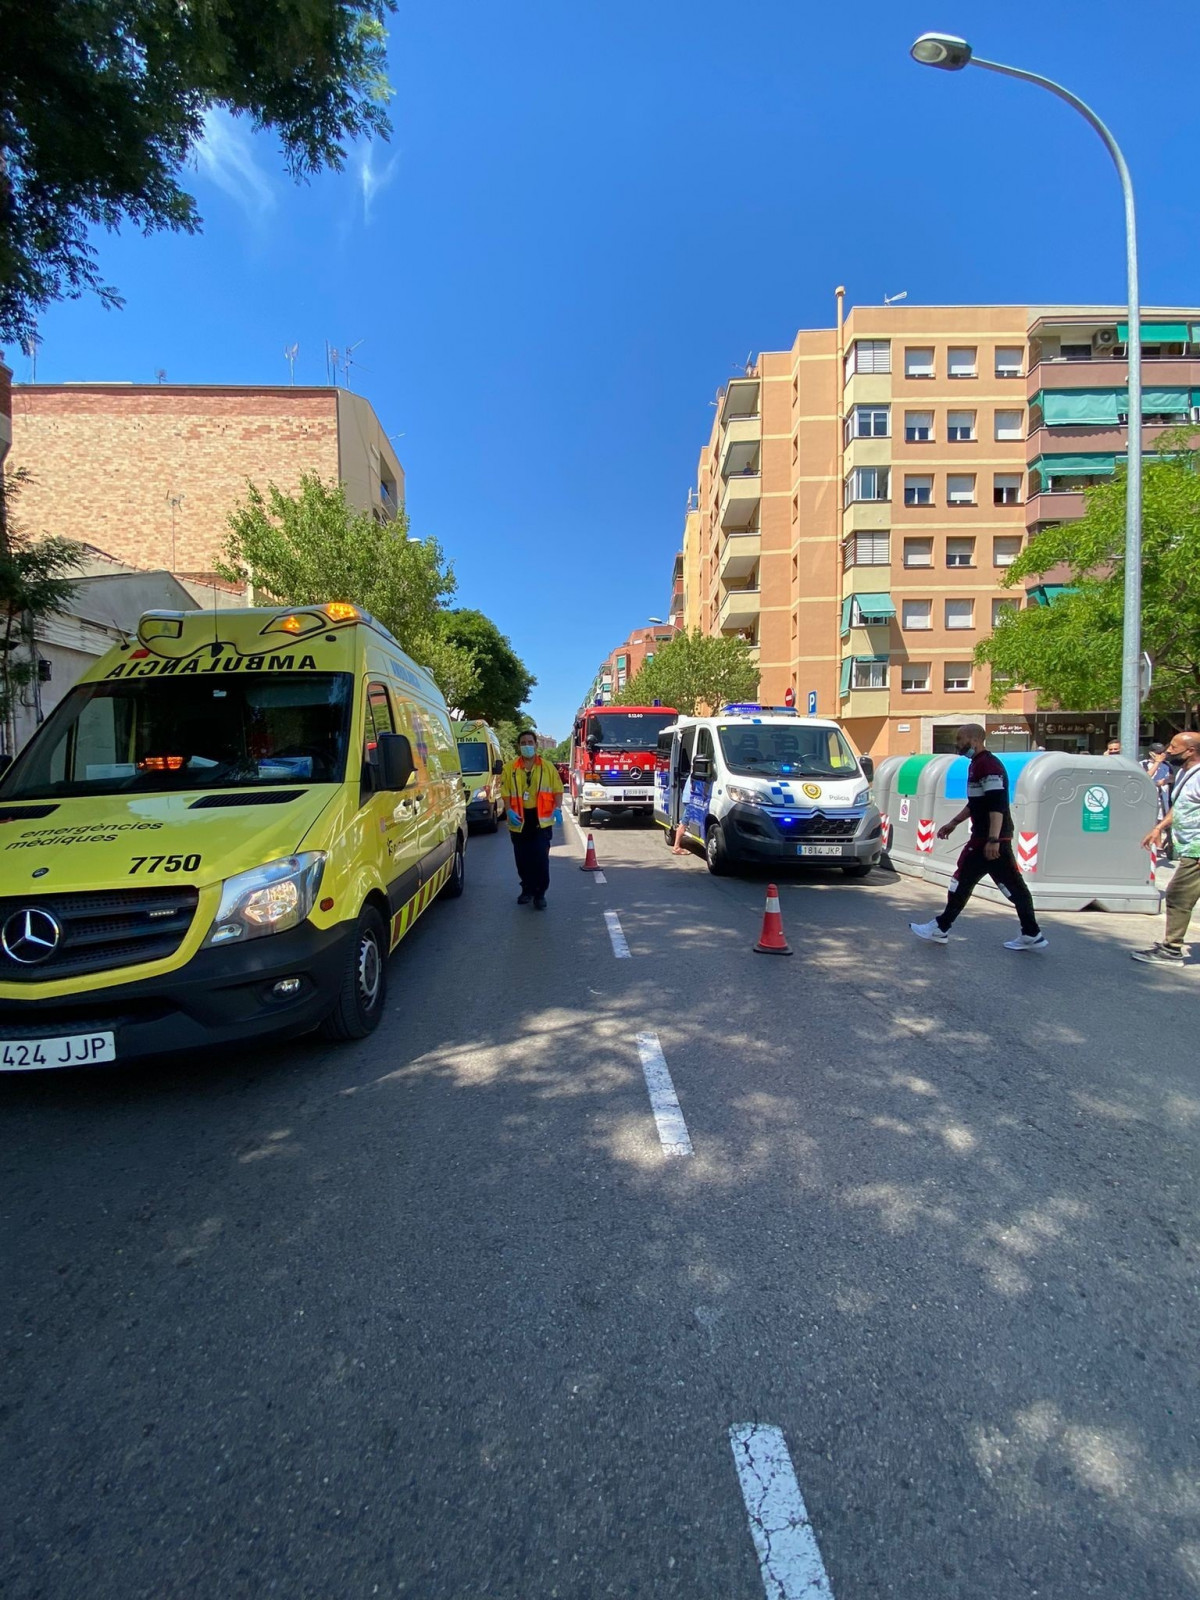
(623, 664)
(862, 493)
(149, 473)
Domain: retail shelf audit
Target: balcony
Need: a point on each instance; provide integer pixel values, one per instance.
(866, 703)
(739, 610)
(1109, 372)
(743, 446)
(739, 555)
(741, 400)
(740, 501)
(1047, 507)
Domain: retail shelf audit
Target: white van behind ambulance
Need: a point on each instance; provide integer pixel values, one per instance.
(762, 784)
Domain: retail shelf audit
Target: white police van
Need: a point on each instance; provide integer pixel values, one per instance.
(760, 783)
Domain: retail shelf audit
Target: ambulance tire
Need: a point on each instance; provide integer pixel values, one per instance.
(457, 881)
(716, 853)
(363, 992)
(492, 825)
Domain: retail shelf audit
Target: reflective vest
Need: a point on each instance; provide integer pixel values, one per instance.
(533, 784)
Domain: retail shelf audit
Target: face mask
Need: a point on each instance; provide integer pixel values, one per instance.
(966, 749)
(526, 751)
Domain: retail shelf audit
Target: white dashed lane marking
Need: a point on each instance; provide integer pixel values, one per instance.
(672, 1129)
(784, 1541)
(613, 923)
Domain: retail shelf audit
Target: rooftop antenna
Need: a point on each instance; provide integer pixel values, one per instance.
(290, 352)
(890, 299)
(348, 360)
(29, 344)
(332, 356)
(160, 374)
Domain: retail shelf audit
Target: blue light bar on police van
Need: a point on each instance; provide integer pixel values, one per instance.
(758, 711)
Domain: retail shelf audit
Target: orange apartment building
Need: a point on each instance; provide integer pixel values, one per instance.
(150, 472)
(624, 663)
(861, 495)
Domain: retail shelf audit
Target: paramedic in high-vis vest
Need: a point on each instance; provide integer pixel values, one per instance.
(533, 793)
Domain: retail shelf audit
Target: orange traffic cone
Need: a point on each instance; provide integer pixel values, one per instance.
(590, 864)
(771, 941)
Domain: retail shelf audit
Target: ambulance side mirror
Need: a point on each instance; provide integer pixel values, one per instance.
(394, 764)
(868, 767)
(497, 768)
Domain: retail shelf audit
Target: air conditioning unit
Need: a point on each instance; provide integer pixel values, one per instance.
(1104, 339)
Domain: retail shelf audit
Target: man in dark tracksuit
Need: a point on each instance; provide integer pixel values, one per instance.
(988, 852)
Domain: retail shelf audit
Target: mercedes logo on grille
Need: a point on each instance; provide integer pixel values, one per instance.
(634, 774)
(30, 936)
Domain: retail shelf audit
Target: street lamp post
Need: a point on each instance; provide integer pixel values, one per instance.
(951, 55)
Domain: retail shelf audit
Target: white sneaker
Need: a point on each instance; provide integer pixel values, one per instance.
(1028, 941)
(930, 931)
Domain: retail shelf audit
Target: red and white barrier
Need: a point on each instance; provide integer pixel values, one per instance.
(886, 824)
(925, 835)
(1027, 852)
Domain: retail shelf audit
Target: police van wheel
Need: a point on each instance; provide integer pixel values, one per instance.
(856, 869)
(715, 852)
(457, 881)
(363, 992)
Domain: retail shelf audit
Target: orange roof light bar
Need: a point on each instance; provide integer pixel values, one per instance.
(342, 611)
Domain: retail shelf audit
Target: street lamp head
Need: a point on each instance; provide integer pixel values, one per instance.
(943, 50)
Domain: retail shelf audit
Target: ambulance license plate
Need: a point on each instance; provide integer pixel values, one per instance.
(819, 850)
(76, 1050)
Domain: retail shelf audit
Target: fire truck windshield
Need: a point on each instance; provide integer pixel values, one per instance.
(627, 730)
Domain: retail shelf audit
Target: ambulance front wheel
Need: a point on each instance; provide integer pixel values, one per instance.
(363, 990)
(457, 881)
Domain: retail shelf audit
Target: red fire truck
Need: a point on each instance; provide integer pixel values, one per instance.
(613, 752)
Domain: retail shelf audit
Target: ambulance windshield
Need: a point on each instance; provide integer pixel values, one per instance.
(474, 757)
(780, 750)
(149, 735)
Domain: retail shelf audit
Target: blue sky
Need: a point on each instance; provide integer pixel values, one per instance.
(590, 213)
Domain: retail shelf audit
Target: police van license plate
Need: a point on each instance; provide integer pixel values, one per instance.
(819, 850)
(77, 1050)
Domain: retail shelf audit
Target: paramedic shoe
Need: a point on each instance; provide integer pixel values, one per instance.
(930, 931)
(1159, 955)
(1028, 941)
(523, 899)
(539, 902)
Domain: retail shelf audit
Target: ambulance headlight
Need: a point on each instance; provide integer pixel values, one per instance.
(861, 798)
(268, 899)
(748, 797)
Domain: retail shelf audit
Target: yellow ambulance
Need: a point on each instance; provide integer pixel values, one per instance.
(481, 760)
(220, 834)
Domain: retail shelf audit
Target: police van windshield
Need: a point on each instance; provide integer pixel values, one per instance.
(474, 757)
(776, 751)
(156, 735)
(627, 730)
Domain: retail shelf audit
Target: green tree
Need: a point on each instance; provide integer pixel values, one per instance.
(306, 548)
(693, 670)
(1070, 652)
(35, 584)
(101, 102)
(508, 733)
(503, 682)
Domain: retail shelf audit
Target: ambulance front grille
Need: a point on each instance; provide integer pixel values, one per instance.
(97, 931)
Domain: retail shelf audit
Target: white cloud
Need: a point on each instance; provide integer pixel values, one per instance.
(373, 180)
(225, 155)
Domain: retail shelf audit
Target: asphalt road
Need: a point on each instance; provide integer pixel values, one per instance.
(441, 1316)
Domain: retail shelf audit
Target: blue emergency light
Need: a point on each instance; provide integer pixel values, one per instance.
(757, 711)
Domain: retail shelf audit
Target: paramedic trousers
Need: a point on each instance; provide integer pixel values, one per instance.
(972, 866)
(531, 847)
(1182, 894)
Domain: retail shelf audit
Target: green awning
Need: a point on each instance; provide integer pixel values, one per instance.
(846, 604)
(1082, 406)
(876, 607)
(1157, 333)
(1045, 594)
(847, 669)
(1174, 400)
(864, 659)
(1081, 466)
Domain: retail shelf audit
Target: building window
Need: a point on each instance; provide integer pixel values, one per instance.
(918, 552)
(1075, 352)
(867, 483)
(918, 427)
(918, 363)
(867, 674)
(621, 662)
(1003, 608)
(960, 552)
(1006, 489)
(960, 614)
(914, 677)
(868, 355)
(960, 489)
(961, 361)
(1006, 547)
(960, 427)
(867, 422)
(1010, 360)
(916, 614)
(866, 550)
(956, 677)
(918, 491)
(1009, 425)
